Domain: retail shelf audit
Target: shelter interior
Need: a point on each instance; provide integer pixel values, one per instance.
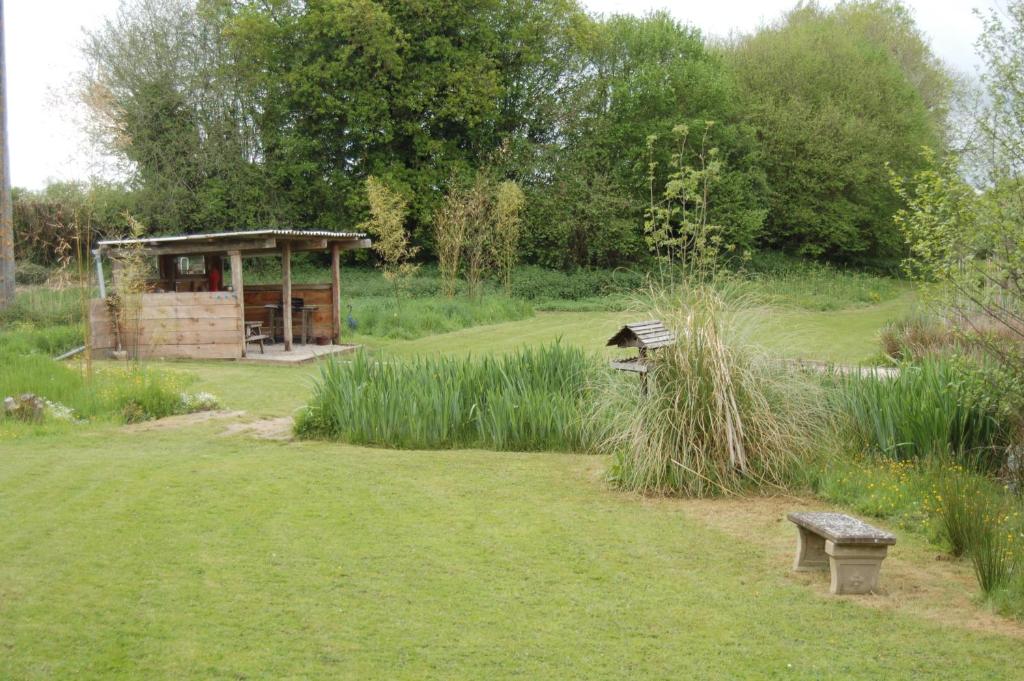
(189, 299)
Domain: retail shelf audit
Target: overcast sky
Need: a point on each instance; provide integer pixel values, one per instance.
(43, 37)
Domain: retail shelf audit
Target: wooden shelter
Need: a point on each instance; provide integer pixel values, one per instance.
(646, 337)
(191, 309)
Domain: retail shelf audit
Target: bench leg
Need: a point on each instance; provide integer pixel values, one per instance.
(810, 551)
(855, 567)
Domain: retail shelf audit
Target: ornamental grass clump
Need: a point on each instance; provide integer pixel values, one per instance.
(976, 519)
(960, 501)
(717, 416)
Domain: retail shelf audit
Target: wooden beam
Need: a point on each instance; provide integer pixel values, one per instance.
(210, 248)
(238, 288)
(336, 291)
(354, 244)
(286, 294)
(307, 245)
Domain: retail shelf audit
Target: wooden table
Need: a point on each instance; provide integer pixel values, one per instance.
(307, 319)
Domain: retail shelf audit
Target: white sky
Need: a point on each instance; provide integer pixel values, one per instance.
(43, 38)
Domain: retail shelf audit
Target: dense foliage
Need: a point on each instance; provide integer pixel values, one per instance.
(835, 97)
(251, 113)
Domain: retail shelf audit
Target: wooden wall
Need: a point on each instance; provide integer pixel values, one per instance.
(174, 325)
(256, 296)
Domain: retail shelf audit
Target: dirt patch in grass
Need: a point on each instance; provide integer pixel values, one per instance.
(182, 421)
(916, 578)
(266, 429)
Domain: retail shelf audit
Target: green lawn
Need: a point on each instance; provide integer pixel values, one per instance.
(189, 554)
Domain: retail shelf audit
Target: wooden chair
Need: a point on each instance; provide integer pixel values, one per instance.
(254, 334)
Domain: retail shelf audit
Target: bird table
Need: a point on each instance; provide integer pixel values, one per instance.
(307, 319)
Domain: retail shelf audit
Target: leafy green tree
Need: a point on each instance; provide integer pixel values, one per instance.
(966, 243)
(639, 76)
(834, 96)
(412, 92)
(164, 97)
(388, 213)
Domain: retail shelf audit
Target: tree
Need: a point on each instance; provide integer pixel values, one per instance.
(834, 96)
(165, 96)
(388, 212)
(509, 201)
(968, 242)
(414, 93)
(638, 76)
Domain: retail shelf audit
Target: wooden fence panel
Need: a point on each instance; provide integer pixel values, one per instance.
(173, 325)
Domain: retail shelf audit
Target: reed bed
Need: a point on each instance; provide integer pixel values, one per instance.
(533, 400)
(932, 409)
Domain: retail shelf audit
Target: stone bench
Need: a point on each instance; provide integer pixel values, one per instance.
(851, 548)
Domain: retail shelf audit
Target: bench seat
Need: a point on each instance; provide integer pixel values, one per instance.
(851, 549)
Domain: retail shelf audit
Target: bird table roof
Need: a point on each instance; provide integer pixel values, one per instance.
(648, 335)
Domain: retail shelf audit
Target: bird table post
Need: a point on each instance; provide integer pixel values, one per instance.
(336, 291)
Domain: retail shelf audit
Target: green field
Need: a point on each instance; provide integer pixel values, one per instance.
(196, 549)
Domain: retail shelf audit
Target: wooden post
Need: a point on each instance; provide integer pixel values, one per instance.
(6, 217)
(336, 290)
(239, 290)
(115, 272)
(99, 273)
(286, 293)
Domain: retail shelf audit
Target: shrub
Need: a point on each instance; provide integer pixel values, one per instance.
(916, 337)
(537, 283)
(29, 273)
(974, 518)
(938, 408)
(717, 416)
(993, 555)
(532, 400)
(960, 503)
(775, 279)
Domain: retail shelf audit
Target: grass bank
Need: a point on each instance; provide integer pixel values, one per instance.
(120, 393)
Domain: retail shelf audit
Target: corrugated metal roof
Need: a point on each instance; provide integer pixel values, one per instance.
(650, 335)
(251, 234)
